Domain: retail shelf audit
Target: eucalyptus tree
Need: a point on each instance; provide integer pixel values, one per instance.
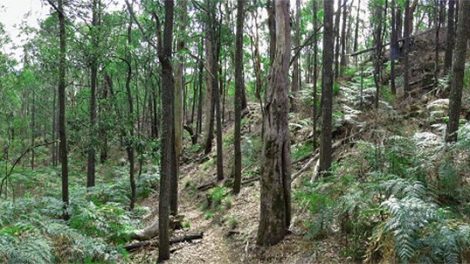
(327, 88)
(275, 212)
(458, 71)
(168, 152)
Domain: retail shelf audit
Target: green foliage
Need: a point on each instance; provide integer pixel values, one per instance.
(218, 200)
(302, 150)
(336, 88)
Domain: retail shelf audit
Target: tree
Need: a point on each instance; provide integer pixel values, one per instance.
(315, 72)
(337, 37)
(61, 99)
(93, 81)
(168, 134)
(406, 46)
(343, 61)
(394, 48)
(238, 96)
(295, 86)
(179, 87)
(450, 36)
(377, 19)
(275, 210)
(327, 88)
(458, 71)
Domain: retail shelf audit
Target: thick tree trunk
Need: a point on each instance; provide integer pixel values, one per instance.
(275, 210)
(327, 89)
(179, 86)
(450, 36)
(210, 106)
(168, 152)
(238, 92)
(458, 71)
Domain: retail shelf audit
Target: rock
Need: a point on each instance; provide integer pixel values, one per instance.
(439, 104)
(437, 116)
(427, 140)
(439, 128)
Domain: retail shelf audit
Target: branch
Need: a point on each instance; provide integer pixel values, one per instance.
(19, 159)
(131, 12)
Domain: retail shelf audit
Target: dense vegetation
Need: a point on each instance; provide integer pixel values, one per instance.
(267, 131)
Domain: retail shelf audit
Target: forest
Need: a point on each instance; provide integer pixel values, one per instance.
(233, 131)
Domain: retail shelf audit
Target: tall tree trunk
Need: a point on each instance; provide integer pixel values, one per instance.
(437, 17)
(238, 92)
(315, 73)
(399, 22)
(61, 99)
(210, 90)
(450, 36)
(54, 154)
(393, 47)
(168, 152)
(406, 47)
(296, 71)
(337, 37)
(129, 139)
(200, 94)
(327, 88)
(33, 127)
(343, 62)
(275, 210)
(103, 110)
(179, 86)
(378, 51)
(93, 79)
(356, 31)
(458, 71)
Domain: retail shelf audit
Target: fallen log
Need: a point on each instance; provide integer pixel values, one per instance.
(154, 243)
(151, 231)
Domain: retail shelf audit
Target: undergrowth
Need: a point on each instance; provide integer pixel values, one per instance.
(395, 202)
(32, 231)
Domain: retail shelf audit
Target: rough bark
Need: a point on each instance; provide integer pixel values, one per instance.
(406, 47)
(168, 134)
(238, 93)
(394, 49)
(337, 43)
(275, 209)
(296, 70)
(61, 98)
(327, 88)
(458, 71)
(450, 36)
(315, 73)
(343, 61)
(91, 161)
(179, 86)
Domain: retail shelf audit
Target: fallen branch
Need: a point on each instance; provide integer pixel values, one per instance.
(317, 155)
(154, 243)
